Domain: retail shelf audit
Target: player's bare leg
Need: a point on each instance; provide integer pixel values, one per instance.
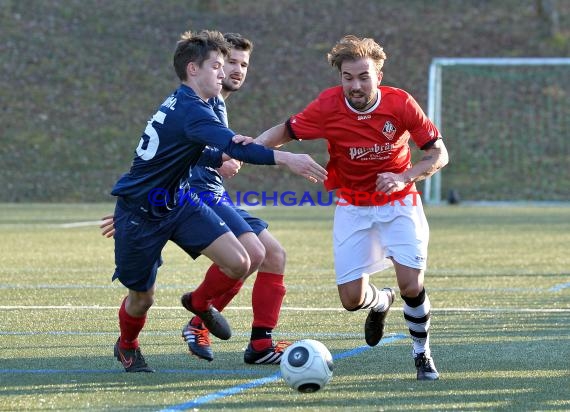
(361, 294)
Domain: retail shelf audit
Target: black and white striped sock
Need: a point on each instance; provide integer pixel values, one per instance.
(375, 299)
(417, 315)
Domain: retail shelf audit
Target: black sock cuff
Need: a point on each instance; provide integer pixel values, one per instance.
(417, 301)
(260, 333)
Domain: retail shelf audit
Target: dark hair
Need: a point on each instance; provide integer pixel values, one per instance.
(238, 42)
(196, 47)
(352, 48)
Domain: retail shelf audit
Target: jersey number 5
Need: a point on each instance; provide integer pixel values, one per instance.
(148, 145)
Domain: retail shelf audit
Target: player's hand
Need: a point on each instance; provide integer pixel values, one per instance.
(229, 168)
(107, 226)
(302, 165)
(244, 140)
(389, 183)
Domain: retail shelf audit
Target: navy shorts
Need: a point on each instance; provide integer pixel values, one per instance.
(257, 225)
(238, 220)
(139, 242)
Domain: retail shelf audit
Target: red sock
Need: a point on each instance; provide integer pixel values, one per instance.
(130, 328)
(215, 283)
(220, 302)
(266, 299)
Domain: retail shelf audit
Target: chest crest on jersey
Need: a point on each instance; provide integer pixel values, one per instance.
(389, 130)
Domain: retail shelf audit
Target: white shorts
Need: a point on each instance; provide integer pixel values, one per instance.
(364, 237)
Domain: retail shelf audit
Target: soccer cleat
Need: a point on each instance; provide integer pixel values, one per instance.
(198, 340)
(269, 356)
(211, 318)
(376, 321)
(426, 368)
(131, 359)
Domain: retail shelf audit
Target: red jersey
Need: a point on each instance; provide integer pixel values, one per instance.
(362, 144)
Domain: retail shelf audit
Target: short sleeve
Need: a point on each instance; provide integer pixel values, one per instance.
(421, 128)
(308, 124)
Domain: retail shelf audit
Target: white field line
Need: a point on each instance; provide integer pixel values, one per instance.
(78, 224)
(288, 308)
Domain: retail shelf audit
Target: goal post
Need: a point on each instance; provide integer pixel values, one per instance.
(506, 124)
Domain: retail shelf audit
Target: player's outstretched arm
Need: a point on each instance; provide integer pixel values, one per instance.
(274, 137)
(302, 165)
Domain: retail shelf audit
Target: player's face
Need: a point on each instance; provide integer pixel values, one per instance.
(208, 77)
(235, 66)
(360, 81)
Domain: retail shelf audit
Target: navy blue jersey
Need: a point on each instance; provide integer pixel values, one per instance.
(219, 105)
(172, 142)
(203, 177)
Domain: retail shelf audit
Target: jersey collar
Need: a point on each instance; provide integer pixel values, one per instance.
(370, 109)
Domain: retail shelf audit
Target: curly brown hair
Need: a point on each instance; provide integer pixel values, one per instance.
(351, 47)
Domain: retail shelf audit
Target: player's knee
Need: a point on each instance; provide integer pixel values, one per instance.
(147, 303)
(256, 256)
(238, 267)
(411, 290)
(275, 258)
(140, 302)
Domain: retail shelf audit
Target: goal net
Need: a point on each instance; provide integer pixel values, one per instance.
(506, 125)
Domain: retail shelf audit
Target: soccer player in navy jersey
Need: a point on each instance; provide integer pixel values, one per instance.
(379, 220)
(150, 210)
(266, 254)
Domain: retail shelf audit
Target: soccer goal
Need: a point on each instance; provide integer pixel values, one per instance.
(506, 124)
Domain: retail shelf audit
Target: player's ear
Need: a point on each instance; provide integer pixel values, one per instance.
(380, 75)
(191, 69)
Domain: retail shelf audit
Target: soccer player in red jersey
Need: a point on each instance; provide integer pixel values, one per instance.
(379, 220)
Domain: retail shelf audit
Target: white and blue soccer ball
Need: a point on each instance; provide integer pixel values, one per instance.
(307, 365)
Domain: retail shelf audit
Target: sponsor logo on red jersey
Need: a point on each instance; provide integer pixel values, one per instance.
(376, 152)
